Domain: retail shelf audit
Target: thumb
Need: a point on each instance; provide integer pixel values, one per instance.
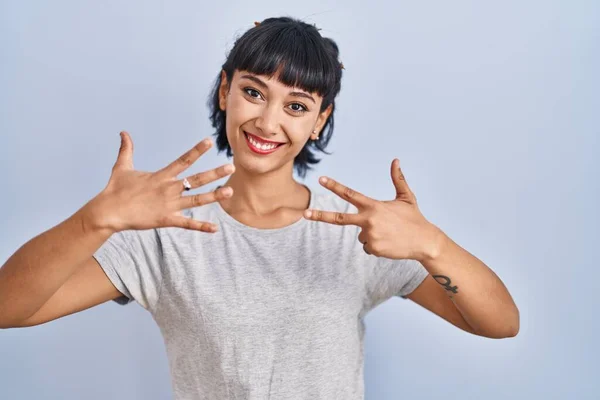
(125, 157)
(403, 192)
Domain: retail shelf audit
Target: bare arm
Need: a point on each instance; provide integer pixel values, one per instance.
(41, 266)
(87, 287)
(54, 274)
(477, 292)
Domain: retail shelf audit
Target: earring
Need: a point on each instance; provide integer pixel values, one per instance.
(315, 133)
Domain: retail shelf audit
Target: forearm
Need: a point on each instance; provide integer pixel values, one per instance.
(477, 292)
(40, 267)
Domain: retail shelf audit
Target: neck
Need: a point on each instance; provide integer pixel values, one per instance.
(262, 194)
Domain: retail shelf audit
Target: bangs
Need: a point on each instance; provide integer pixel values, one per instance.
(293, 56)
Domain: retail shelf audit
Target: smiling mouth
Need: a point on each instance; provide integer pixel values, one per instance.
(259, 147)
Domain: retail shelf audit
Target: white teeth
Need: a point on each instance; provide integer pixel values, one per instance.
(261, 146)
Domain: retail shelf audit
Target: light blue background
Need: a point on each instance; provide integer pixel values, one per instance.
(491, 108)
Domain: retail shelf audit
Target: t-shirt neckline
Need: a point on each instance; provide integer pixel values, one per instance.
(225, 217)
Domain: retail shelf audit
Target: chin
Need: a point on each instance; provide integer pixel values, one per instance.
(256, 166)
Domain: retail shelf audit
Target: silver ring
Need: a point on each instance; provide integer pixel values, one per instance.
(186, 184)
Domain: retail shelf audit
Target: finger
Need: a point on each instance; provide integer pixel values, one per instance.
(125, 157)
(187, 159)
(336, 218)
(198, 200)
(190, 223)
(206, 177)
(365, 249)
(351, 196)
(362, 236)
(403, 192)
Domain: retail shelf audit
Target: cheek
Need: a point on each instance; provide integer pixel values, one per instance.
(299, 129)
(240, 108)
(238, 112)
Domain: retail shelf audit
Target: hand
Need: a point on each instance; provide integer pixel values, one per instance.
(144, 200)
(393, 229)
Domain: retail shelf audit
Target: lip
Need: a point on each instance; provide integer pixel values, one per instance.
(256, 149)
(261, 139)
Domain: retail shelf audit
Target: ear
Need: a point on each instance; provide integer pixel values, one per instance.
(223, 90)
(322, 118)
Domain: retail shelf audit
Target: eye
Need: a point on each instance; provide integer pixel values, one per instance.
(298, 108)
(255, 94)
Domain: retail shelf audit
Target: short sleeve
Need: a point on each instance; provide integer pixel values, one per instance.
(132, 261)
(388, 278)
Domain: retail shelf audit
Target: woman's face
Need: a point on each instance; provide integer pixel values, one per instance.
(258, 107)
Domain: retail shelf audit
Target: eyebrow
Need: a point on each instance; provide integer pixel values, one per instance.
(262, 84)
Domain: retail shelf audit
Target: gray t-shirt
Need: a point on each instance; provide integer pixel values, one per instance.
(250, 313)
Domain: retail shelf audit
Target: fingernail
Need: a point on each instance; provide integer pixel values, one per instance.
(323, 179)
(227, 191)
(308, 213)
(229, 168)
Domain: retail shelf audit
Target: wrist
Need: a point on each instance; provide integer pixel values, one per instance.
(434, 245)
(95, 217)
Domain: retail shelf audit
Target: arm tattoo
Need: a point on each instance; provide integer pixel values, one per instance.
(446, 283)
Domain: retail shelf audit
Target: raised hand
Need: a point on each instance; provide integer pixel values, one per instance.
(393, 229)
(143, 200)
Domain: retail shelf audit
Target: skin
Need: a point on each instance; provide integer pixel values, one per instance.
(468, 293)
(266, 195)
(60, 276)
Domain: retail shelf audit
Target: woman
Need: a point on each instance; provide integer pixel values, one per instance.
(264, 291)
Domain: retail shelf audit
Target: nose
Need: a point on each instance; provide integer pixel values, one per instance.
(268, 121)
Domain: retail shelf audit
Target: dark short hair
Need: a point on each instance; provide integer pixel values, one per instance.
(301, 57)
